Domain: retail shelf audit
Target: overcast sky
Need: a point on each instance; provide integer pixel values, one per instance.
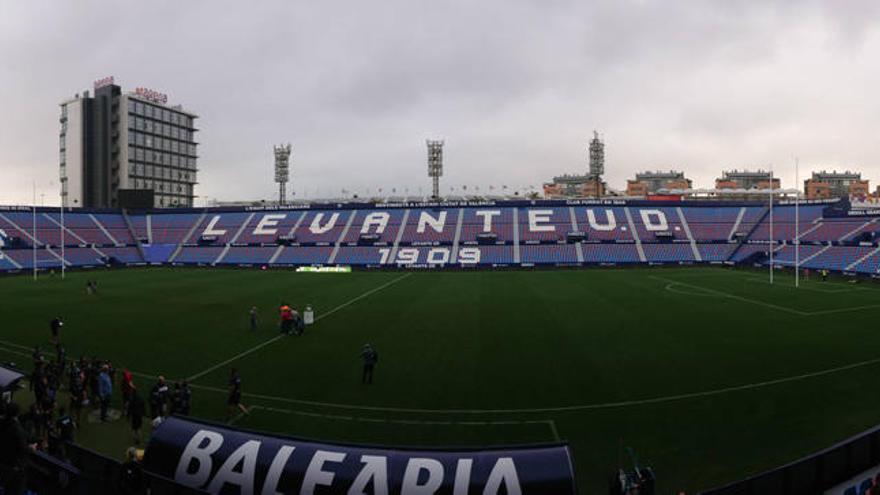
(514, 87)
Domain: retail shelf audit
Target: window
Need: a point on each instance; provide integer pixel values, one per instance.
(131, 106)
(148, 141)
(140, 169)
(138, 108)
(139, 139)
(139, 154)
(132, 169)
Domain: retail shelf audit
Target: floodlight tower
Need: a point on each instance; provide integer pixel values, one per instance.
(435, 164)
(282, 170)
(597, 160)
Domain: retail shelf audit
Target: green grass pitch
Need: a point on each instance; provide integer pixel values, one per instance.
(709, 374)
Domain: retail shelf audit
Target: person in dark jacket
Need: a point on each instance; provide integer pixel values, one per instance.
(136, 411)
(55, 326)
(14, 450)
(370, 358)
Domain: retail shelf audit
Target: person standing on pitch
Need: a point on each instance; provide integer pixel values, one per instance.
(55, 326)
(234, 401)
(286, 319)
(136, 411)
(105, 388)
(253, 318)
(370, 358)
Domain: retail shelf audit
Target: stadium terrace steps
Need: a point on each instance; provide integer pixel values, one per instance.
(852, 265)
(690, 237)
(635, 234)
(856, 230)
(15, 226)
(338, 243)
(186, 238)
(524, 235)
(134, 238)
(578, 248)
(736, 224)
(103, 230)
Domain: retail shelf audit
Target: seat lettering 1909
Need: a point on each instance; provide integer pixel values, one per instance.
(432, 256)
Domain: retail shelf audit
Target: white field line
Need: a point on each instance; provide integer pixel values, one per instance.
(830, 290)
(769, 305)
(279, 337)
(671, 288)
(732, 296)
(572, 408)
(336, 417)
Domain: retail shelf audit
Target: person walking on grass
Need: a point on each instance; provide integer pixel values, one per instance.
(234, 400)
(252, 314)
(370, 358)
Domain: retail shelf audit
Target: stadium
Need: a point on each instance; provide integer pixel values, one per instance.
(723, 345)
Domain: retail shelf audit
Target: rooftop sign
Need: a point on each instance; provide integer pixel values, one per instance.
(151, 95)
(105, 81)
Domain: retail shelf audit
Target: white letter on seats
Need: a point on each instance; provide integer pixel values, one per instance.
(317, 228)
(542, 216)
(649, 224)
(487, 218)
(611, 225)
(315, 475)
(379, 219)
(202, 455)
(375, 469)
(436, 223)
(267, 224)
(209, 230)
(414, 467)
(243, 478)
(470, 255)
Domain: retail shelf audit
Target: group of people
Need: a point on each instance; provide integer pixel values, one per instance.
(292, 322)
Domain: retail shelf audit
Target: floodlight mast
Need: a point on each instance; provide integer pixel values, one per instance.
(282, 170)
(435, 164)
(597, 161)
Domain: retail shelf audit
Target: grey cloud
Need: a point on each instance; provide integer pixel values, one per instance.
(516, 87)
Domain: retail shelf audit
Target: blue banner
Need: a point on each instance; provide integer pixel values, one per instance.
(221, 460)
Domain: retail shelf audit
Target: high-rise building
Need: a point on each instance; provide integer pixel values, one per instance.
(126, 149)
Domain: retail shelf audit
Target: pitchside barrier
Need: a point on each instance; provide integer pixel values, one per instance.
(87, 472)
(219, 459)
(847, 468)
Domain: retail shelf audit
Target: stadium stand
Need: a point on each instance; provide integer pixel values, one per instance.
(503, 233)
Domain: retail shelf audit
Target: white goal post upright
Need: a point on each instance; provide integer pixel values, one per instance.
(772, 189)
(34, 229)
(797, 227)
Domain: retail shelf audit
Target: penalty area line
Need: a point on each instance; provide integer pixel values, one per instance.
(279, 337)
(733, 296)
